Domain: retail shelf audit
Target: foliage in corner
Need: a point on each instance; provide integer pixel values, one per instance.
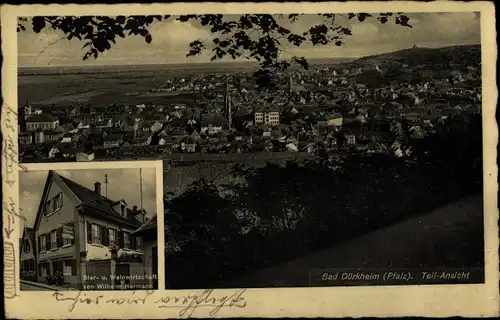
(258, 37)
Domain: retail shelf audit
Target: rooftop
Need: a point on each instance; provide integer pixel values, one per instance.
(97, 204)
(44, 117)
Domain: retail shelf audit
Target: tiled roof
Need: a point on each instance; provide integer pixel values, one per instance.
(213, 119)
(44, 117)
(151, 224)
(98, 203)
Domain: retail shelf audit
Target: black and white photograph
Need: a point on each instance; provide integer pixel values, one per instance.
(299, 150)
(89, 229)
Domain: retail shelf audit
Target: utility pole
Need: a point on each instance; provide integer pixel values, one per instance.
(140, 185)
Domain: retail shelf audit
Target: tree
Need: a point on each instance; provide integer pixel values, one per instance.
(259, 37)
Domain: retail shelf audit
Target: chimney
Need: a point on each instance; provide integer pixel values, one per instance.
(138, 214)
(97, 188)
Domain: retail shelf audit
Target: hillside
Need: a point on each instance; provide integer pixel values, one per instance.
(461, 55)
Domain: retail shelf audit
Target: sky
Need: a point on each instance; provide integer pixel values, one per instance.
(171, 40)
(123, 184)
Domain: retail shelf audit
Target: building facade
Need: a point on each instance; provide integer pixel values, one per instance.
(27, 255)
(267, 117)
(79, 233)
(42, 121)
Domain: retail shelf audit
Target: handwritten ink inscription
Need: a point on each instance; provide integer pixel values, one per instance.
(9, 289)
(11, 162)
(10, 153)
(187, 304)
(190, 303)
(9, 206)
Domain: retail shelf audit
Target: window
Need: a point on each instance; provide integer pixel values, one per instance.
(53, 239)
(43, 269)
(68, 235)
(126, 240)
(138, 244)
(104, 235)
(58, 201)
(112, 236)
(69, 267)
(31, 264)
(96, 236)
(26, 246)
(123, 209)
(48, 207)
(89, 232)
(43, 243)
(54, 204)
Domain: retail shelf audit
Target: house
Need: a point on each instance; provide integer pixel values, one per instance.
(25, 139)
(157, 126)
(179, 134)
(212, 124)
(85, 156)
(112, 141)
(335, 119)
(350, 139)
(52, 136)
(38, 136)
(28, 258)
(78, 231)
(66, 150)
(41, 121)
(291, 147)
(189, 145)
(267, 117)
(67, 137)
(148, 233)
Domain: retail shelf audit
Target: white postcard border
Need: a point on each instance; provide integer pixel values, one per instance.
(435, 300)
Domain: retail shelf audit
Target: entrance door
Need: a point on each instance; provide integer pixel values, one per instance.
(154, 267)
(122, 270)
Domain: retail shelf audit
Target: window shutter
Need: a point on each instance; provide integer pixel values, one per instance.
(47, 242)
(59, 238)
(73, 267)
(138, 243)
(61, 199)
(132, 242)
(120, 239)
(105, 236)
(101, 234)
(89, 232)
(39, 244)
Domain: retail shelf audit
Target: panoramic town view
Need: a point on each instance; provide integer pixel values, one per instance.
(354, 144)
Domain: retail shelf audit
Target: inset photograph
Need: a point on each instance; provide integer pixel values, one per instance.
(89, 229)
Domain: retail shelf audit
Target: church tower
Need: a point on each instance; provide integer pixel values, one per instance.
(227, 105)
(27, 110)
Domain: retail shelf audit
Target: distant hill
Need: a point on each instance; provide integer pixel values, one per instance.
(461, 55)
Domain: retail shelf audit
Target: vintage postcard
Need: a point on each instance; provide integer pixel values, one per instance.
(249, 160)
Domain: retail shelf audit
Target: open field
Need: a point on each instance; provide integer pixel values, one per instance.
(100, 86)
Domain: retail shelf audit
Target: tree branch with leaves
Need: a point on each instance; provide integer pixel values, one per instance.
(258, 37)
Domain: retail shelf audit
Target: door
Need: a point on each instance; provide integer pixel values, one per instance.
(122, 270)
